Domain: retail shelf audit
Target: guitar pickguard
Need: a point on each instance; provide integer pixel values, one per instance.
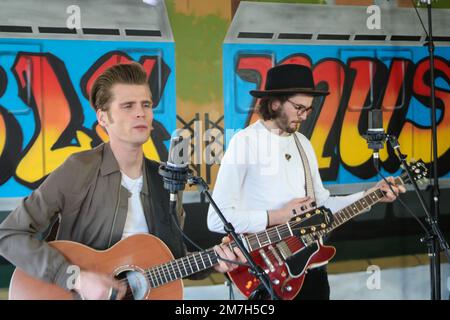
(298, 261)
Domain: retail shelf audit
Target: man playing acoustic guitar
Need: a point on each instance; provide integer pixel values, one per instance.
(102, 195)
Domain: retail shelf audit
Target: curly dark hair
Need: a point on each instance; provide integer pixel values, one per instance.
(265, 109)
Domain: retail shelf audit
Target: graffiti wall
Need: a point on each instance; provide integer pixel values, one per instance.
(397, 79)
(45, 114)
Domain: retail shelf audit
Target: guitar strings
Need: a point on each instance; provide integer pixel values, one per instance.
(199, 257)
(160, 274)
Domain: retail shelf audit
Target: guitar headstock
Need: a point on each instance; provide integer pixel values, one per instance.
(418, 170)
(312, 221)
(306, 207)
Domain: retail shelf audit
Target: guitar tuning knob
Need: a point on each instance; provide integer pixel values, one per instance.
(323, 225)
(302, 231)
(313, 229)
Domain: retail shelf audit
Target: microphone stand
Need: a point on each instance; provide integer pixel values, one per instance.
(434, 234)
(228, 227)
(435, 266)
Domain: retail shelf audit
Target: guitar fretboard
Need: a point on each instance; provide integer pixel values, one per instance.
(269, 236)
(182, 267)
(349, 212)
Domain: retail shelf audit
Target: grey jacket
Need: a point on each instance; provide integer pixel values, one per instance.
(85, 193)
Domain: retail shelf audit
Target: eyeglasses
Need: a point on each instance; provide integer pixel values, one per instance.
(301, 109)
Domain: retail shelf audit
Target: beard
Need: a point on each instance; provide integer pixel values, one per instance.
(283, 123)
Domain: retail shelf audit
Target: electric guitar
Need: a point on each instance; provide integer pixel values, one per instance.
(146, 265)
(287, 261)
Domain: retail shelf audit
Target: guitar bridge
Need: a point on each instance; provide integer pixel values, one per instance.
(284, 250)
(267, 261)
(276, 255)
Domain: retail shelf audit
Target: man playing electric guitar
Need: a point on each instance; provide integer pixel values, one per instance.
(268, 166)
(102, 195)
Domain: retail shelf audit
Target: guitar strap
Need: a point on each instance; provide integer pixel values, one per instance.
(308, 176)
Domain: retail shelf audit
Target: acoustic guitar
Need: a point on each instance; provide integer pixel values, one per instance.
(146, 265)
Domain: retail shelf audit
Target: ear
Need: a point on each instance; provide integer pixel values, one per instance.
(101, 117)
(275, 105)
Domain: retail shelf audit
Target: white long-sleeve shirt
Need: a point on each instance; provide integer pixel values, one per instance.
(263, 171)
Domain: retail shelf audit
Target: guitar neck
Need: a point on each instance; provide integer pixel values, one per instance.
(352, 210)
(199, 261)
(182, 267)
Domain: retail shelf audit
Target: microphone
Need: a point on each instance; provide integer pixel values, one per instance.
(375, 134)
(175, 171)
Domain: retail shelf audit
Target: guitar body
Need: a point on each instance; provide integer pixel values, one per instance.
(287, 276)
(247, 283)
(135, 253)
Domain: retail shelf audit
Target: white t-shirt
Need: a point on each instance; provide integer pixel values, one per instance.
(135, 222)
(262, 171)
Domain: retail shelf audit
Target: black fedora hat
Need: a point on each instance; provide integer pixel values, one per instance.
(289, 79)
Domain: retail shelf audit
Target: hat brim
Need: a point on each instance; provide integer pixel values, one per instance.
(291, 91)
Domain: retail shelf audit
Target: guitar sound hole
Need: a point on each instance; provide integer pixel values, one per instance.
(137, 285)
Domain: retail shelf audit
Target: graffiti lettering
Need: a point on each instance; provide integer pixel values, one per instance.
(254, 69)
(340, 119)
(363, 73)
(333, 74)
(422, 134)
(9, 127)
(44, 85)
(58, 115)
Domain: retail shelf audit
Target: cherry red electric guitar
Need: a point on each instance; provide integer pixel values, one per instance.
(287, 261)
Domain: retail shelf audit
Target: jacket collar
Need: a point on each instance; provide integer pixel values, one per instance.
(109, 165)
